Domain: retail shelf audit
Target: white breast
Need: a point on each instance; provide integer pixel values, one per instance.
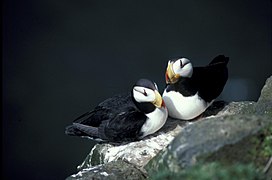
(155, 121)
(184, 108)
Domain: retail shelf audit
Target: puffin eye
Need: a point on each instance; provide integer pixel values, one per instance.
(181, 65)
(145, 93)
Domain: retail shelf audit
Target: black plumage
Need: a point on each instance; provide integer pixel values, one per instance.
(121, 118)
(115, 119)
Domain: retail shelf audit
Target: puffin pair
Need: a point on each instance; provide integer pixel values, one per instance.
(129, 117)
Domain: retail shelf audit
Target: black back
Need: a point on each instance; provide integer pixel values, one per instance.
(116, 119)
(107, 109)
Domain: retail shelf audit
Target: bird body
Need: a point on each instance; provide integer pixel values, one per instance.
(192, 106)
(126, 117)
(191, 90)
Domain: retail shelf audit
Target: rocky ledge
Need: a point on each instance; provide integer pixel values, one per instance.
(229, 138)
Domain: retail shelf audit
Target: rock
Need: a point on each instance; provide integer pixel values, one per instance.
(244, 107)
(264, 104)
(117, 170)
(213, 171)
(266, 93)
(205, 138)
(221, 132)
(137, 153)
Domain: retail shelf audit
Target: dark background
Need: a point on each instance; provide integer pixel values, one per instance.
(61, 58)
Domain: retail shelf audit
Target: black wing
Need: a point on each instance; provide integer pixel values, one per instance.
(220, 59)
(126, 126)
(210, 80)
(78, 129)
(106, 110)
(118, 102)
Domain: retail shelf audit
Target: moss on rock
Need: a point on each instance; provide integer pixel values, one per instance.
(213, 170)
(256, 149)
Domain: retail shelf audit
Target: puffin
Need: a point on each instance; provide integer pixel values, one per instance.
(125, 117)
(191, 90)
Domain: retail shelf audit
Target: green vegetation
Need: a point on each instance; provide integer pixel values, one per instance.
(213, 171)
(267, 142)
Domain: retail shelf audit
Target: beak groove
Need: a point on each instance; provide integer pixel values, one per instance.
(170, 76)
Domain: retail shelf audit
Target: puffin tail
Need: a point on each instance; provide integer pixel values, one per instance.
(220, 59)
(81, 130)
(72, 131)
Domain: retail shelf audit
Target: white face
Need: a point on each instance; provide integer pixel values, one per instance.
(142, 94)
(183, 67)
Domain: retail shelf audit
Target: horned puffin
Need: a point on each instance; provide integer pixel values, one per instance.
(125, 117)
(191, 90)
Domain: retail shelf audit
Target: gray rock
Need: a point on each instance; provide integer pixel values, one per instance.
(137, 153)
(117, 170)
(244, 107)
(266, 93)
(264, 104)
(205, 137)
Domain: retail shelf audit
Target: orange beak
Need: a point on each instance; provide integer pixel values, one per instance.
(167, 78)
(170, 76)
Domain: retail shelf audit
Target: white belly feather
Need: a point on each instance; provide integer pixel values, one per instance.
(184, 108)
(155, 121)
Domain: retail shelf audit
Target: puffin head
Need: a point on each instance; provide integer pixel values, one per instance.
(177, 69)
(146, 96)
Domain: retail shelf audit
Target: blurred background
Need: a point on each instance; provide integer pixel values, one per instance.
(61, 58)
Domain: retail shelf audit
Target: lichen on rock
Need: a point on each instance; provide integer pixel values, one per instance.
(117, 170)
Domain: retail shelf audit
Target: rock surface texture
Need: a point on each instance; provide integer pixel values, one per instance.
(232, 136)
